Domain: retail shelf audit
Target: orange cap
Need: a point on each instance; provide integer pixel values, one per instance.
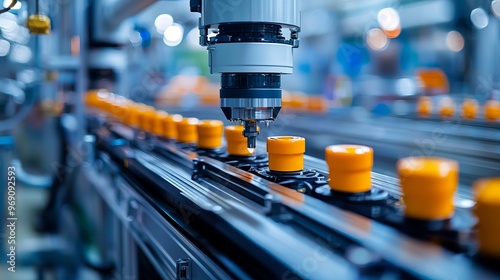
(286, 153)
(210, 134)
(298, 101)
(487, 210)
(428, 185)
(492, 110)
(158, 120)
(447, 108)
(170, 126)
(91, 98)
(469, 109)
(317, 104)
(424, 106)
(349, 167)
(236, 142)
(146, 115)
(102, 98)
(132, 118)
(186, 130)
(120, 108)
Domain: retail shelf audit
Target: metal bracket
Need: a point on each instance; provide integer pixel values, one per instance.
(183, 269)
(198, 169)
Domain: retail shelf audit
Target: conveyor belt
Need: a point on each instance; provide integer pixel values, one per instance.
(477, 149)
(262, 218)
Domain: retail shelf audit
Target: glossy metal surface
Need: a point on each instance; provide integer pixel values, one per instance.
(286, 12)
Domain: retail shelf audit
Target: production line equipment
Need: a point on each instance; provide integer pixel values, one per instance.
(251, 52)
(203, 208)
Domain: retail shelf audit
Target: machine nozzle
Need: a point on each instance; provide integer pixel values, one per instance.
(251, 132)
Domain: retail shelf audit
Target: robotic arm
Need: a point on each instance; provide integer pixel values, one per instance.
(251, 53)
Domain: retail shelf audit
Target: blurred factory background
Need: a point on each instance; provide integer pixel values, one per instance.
(405, 77)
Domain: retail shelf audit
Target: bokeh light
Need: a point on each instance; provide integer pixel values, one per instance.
(173, 35)
(479, 18)
(4, 47)
(495, 8)
(17, 6)
(455, 41)
(388, 19)
(377, 39)
(162, 22)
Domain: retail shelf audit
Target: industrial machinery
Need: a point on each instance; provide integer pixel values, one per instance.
(251, 52)
(193, 192)
(200, 208)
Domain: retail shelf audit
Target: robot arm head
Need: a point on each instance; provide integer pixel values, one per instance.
(251, 52)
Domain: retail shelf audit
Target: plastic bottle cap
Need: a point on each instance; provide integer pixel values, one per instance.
(487, 192)
(317, 104)
(236, 142)
(210, 134)
(469, 109)
(132, 118)
(146, 118)
(120, 108)
(428, 185)
(492, 110)
(424, 106)
(298, 101)
(38, 24)
(447, 108)
(349, 167)
(286, 153)
(158, 121)
(170, 126)
(187, 130)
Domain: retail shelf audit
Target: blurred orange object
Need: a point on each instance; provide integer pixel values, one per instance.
(487, 194)
(428, 185)
(158, 123)
(469, 109)
(187, 131)
(492, 110)
(146, 117)
(434, 81)
(424, 106)
(393, 33)
(298, 101)
(210, 134)
(170, 126)
(446, 108)
(317, 104)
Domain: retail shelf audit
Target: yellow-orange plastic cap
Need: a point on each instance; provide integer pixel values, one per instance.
(158, 123)
(170, 126)
(487, 192)
(210, 134)
(90, 98)
(38, 24)
(286, 153)
(317, 104)
(187, 131)
(132, 118)
(428, 185)
(349, 167)
(447, 108)
(424, 106)
(492, 110)
(236, 142)
(120, 108)
(469, 109)
(146, 118)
